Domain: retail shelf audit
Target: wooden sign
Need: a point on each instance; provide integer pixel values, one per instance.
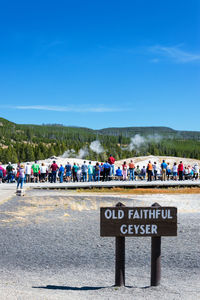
(138, 221)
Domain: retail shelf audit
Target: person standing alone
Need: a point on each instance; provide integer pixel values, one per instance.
(20, 179)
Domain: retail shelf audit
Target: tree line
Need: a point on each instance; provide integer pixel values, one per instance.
(35, 142)
(18, 152)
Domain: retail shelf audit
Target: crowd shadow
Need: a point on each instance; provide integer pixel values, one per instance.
(70, 288)
(83, 288)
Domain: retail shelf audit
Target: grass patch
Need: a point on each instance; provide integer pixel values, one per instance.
(142, 191)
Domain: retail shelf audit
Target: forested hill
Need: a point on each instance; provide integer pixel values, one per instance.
(166, 132)
(30, 142)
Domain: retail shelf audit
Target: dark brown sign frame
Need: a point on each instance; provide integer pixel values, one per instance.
(138, 221)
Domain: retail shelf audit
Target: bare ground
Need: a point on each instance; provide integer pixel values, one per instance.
(51, 249)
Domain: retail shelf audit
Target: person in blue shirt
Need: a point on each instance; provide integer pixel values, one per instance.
(68, 171)
(106, 171)
(61, 173)
(97, 172)
(164, 170)
(119, 173)
(84, 169)
(90, 172)
(101, 171)
(143, 173)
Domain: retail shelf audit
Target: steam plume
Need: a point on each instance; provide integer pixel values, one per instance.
(96, 147)
(139, 141)
(83, 152)
(68, 153)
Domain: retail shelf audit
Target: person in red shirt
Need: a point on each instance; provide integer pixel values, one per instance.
(111, 161)
(180, 170)
(54, 168)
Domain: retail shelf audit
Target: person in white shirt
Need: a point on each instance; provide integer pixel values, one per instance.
(168, 171)
(196, 171)
(28, 172)
(186, 173)
(43, 172)
(175, 171)
(21, 177)
(155, 170)
(79, 173)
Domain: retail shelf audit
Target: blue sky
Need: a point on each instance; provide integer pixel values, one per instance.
(101, 63)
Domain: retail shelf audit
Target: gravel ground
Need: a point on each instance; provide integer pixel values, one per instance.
(50, 248)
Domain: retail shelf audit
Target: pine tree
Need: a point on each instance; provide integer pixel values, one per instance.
(14, 158)
(23, 155)
(8, 154)
(51, 151)
(30, 153)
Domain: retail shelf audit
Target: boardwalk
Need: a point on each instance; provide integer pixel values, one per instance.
(111, 184)
(8, 190)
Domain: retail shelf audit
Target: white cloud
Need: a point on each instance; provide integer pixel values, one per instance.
(175, 53)
(76, 109)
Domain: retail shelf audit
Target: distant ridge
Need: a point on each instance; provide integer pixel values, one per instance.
(165, 132)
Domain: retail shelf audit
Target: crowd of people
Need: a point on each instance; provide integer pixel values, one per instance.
(98, 172)
(166, 172)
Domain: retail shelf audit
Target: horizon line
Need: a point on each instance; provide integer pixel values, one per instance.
(113, 127)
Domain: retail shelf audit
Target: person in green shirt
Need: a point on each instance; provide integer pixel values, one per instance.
(36, 168)
(9, 171)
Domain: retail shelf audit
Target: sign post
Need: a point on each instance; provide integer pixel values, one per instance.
(120, 258)
(155, 257)
(155, 260)
(121, 221)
